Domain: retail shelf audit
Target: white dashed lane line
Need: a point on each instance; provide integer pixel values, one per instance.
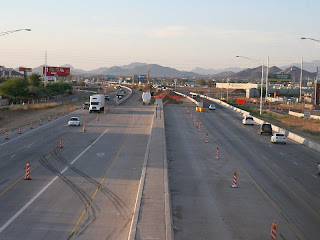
(12, 155)
(314, 176)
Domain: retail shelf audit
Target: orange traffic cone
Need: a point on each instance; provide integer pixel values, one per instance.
(84, 127)
(31, 124)
(217, 153)
(199, 129)
(273, 231)
(60, 142)
(7, 135)
(234, 182)
(49, 117)
(97, 116)
(190, 115)
(40, 121)
(207, 138)
(19, 130)
(27, 176)
(62, 112)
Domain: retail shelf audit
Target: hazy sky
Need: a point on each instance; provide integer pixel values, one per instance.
(180, 34)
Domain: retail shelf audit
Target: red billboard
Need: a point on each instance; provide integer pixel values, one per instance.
(60, 71)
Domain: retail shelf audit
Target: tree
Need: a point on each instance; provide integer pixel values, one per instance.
(35, 80)
(15, 87)
(59, 88)
(202, 82)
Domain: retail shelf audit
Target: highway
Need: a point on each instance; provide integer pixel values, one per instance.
(85, 190)
(276, 183)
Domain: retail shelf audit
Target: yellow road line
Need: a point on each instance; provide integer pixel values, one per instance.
(101, 182)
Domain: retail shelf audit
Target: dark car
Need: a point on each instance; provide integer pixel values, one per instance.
(265, 128)
(86, 105)
(106, 97)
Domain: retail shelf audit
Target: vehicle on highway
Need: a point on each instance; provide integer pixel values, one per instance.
(86, 105)
(265, 128)
(96, 103)
(278, 138)
(247, 120)
(212, 107)
(74, 121)
(146, 97)
(106, 97)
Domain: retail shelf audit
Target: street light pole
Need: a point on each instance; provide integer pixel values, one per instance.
(13, 31)
(262, 76)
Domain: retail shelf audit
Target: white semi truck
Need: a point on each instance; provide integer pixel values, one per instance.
(96, 103)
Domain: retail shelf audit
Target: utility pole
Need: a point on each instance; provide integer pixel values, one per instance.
(148, 74)
(301, 79)
(267, 80)
(45, 69)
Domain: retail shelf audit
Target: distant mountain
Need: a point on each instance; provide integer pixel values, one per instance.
(128, 70)
(212, 71)
(255, 73)
(308, 66)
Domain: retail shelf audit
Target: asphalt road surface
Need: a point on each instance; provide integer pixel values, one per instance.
(276, 183)
(84, 190)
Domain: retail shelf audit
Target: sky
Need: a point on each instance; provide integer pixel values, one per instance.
(172, 33)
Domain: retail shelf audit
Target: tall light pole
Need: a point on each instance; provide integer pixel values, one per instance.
(13, 31)
(262, 66)
(316, 40)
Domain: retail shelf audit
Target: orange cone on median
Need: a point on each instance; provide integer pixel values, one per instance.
(207, 138)
(19, 129)
(60, 142)
(217, 153)
(7, 135)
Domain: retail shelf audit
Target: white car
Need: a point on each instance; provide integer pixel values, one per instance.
(212, 107)
(278, 138)
(74, 121)
(248, 120)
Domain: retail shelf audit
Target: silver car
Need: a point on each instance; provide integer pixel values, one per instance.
(74, 121)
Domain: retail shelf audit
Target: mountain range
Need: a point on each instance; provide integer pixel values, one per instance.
(161, 71)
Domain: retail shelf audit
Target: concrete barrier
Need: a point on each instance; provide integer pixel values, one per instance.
(126, 97)
(293, 136)
(296, 114)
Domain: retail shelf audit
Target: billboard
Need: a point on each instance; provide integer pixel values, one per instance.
(142, 76)
(22, 69)
(282, 77)
(60, 71)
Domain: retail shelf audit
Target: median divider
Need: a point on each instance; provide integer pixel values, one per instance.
(126, 97)
(293, 136)
(152, 217)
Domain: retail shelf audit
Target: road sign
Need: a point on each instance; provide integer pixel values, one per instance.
(175, 80)
(307, 114)
(282, 77)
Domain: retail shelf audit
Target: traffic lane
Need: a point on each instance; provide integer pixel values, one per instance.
(203, 203)
(17, 195)
(32, 147)
(289, 197)
(125, 187)
(298, 162)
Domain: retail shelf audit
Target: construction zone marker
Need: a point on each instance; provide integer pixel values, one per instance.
(188, 111)
(84, 127)
(62, 112)
(234, 182)
(97, 116)
(31, 124)
(217, 153)
(60, 142)
(49, 117)
(6, 135)
(19, 129)
(40, 121)
(27, 176)
(190, 115)
(207, 138)
(273, 234)
(199, 129)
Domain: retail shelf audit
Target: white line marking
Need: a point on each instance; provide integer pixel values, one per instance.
(281, 153)
(296, 163)
(270, 146)
(46, 187)
(12, 155)
(314, 176)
